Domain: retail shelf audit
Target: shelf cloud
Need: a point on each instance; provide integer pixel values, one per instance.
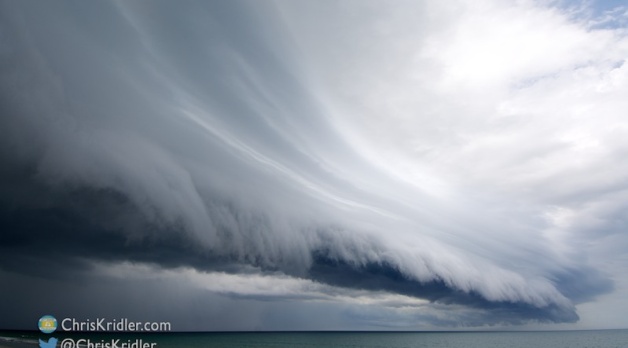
(421, 165)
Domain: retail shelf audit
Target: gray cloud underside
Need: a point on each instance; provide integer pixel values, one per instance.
(191, 136)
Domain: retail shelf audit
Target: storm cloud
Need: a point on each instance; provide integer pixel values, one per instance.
(393, 167)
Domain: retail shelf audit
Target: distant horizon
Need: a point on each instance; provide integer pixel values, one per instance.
(471, 339)
(65, 333)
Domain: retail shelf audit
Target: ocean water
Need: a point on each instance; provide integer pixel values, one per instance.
(554, 339)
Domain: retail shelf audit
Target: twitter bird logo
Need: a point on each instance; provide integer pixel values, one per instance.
(52, 343)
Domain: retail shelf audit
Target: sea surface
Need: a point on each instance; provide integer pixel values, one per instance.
(536, 339)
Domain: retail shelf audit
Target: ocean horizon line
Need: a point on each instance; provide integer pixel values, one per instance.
(307, 331)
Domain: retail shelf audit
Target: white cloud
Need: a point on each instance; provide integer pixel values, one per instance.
(511, 111)
(477, 144)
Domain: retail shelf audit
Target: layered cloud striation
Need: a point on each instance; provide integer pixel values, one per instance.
(464, 156)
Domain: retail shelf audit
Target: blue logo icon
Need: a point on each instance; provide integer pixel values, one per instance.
(47, 324)
(52, 343)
